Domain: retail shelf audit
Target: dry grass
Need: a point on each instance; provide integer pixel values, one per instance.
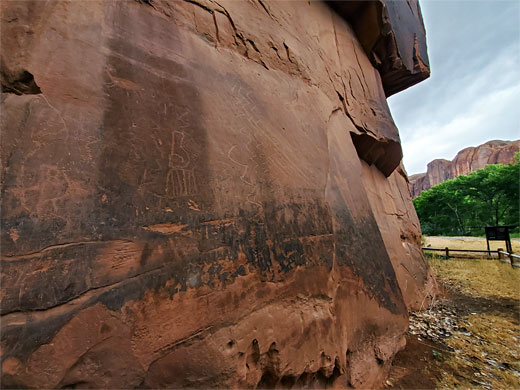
(468, 243)
(488, 357)
(485, 278)
(487, 353)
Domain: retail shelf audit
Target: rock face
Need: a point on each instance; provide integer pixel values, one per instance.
(205, 194)
(466, 161)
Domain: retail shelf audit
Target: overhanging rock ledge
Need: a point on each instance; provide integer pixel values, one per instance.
(206, 194)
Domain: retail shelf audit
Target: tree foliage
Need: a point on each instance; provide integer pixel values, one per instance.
(486, 197)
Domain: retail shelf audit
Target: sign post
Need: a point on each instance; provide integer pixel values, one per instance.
(499, 233)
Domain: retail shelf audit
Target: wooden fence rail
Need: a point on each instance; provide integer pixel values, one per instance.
(508, 254)
(500, 252)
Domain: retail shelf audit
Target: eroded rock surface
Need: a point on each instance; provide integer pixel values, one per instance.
(202, 194)
(466, 161)
(393, 36)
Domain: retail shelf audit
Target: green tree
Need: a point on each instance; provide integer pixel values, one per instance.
(497, 188)
(443, 209)
(489, 196)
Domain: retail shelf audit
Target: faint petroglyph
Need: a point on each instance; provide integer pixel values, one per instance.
(243, 176)
(58, 112)
(180, 179)
(193, 205)
(247, 114)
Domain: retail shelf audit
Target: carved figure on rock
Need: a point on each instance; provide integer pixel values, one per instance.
(206, 194)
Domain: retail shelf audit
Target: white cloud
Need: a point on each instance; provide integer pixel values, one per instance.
(492, 116)
(473, 94)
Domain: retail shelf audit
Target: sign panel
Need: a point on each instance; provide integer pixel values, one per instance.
(497, 233)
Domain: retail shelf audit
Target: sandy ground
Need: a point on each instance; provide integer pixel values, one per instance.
(469, 243)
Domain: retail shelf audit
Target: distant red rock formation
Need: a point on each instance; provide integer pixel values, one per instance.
(466, 161)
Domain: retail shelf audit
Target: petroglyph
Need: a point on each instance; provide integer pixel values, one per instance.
(168, 203)
(245, 166)
(180, 180)
(248, 116)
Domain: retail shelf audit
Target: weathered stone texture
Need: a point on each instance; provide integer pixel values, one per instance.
(183, 204)
(466, 161)
(393, 36)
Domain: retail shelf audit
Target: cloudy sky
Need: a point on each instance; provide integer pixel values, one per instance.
(473, 93)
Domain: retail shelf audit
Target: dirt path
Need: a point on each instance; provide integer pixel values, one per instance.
(470, 337)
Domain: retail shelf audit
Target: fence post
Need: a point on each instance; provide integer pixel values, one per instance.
(447, 253)
(511, 258)
(499, 254)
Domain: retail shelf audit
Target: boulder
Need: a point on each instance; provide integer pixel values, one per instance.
(204, 194)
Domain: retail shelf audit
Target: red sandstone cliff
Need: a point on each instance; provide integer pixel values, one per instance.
(206, 194)
(466, 161)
